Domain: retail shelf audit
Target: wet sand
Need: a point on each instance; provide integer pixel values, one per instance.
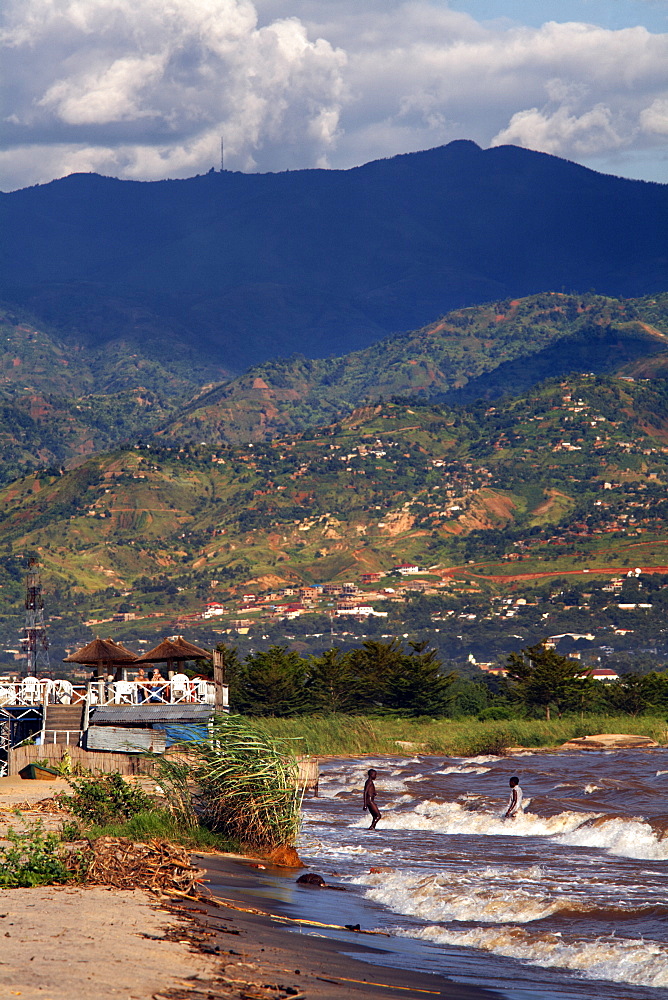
(262, 950)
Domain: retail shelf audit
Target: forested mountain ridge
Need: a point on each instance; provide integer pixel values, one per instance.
(243, 268)
(499, 348)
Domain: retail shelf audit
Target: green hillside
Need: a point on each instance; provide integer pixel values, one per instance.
(61, 402)
(569, 477)
(502, 348)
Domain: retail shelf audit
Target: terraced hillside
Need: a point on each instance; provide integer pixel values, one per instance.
(568, 478)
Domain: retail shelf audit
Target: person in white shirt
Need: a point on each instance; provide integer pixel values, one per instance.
(515, 801)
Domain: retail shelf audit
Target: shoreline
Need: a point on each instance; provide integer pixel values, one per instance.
(68, 942)
(263, 926)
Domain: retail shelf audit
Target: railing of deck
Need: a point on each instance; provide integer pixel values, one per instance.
(187, 692)
(34, 691)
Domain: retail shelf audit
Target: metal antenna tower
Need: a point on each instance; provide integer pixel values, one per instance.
(35, 641)
(222, 154)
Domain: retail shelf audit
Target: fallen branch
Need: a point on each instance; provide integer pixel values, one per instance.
(222, 902)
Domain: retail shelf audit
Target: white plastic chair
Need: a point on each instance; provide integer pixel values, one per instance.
(180, 684)
(124, 693)
(64, 691)
(201, 690)
(30, 691)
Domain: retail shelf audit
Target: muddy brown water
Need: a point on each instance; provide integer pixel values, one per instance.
(568, 900)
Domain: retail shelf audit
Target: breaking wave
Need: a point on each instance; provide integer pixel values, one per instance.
(622, 960)
(446, 897)
(464, 769)
(628, 838)
(495, 896)
(453, 818)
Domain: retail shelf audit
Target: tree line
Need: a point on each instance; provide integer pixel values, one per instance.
(408, 679)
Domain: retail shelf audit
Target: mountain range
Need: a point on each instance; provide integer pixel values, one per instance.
(60, 404)
(230, 270)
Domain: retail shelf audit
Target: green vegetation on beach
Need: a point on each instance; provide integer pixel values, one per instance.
(343, 735)
(237, 789)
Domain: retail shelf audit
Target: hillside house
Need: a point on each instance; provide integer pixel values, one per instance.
(604, 674)
(309, 593)
(406, 569)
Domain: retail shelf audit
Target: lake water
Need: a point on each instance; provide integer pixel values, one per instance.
(568, 900)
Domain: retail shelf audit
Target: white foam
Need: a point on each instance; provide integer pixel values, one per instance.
(464, 769)
(590, 789)
(341, 850)
(629, 838)
(621, 960)
(661, 772)
(452, 818)
(482, 759)
(448, 897)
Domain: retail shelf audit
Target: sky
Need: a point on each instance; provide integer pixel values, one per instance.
(144, 89)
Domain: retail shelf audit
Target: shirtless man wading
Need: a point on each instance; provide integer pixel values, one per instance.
(370, 799)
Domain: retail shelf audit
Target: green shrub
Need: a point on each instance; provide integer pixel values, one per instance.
(34, 858)
(496, 712)
(106, 798)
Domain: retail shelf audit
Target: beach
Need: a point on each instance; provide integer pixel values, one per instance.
(444, 899)
(73, 943)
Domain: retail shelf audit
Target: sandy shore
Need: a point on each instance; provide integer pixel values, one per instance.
(63, 943)
(73, 943)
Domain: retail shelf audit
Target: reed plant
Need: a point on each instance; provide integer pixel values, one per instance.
(240, 782)
(342, 735)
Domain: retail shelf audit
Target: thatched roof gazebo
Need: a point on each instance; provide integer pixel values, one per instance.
(171, 651)
(105, 655)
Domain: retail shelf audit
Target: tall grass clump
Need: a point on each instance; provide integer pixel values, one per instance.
(239, 782)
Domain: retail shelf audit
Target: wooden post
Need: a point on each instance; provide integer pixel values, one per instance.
(218, 679)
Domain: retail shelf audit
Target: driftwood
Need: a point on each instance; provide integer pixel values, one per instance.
(41, 806)
(124, 864)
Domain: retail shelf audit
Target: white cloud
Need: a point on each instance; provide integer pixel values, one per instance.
(654, 119)
(144, 88)
(562, 132)
(149, 86)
